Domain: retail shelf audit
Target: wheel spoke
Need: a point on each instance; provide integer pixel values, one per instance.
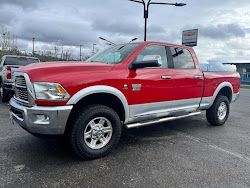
(102, 121)
(87, 135)
(107, 129)
(93, 142)
(103, 140)
(92, 124)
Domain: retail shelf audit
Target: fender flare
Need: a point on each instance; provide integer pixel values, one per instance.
(101, 89)
(222, 85)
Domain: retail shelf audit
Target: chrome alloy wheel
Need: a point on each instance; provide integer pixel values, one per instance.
(98, 133)
(222, 111)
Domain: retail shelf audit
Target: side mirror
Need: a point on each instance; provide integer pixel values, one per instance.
(147, 61)
(144, 64)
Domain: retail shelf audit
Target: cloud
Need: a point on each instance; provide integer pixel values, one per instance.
(127, 27)
(71, 23)
(222, 31)
(20, 3)
(50, 30)
(8, 14)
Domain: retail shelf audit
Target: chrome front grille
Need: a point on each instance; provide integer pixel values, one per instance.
(20, 81)
(21, 88)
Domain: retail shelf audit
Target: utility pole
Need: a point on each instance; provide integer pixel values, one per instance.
(93, 51)
(33, 52)
(80, 52)
(146, 6)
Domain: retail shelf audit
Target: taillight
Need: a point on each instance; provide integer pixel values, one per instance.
(8, 72)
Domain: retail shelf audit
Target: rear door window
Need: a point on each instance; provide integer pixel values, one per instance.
(182, 58)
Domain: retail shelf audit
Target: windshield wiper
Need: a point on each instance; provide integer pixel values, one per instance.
(121, 47)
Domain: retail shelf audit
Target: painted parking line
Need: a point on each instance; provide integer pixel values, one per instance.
(232, 153)
(12, 137)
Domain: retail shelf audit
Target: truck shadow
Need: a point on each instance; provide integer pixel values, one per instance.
(51, 150)
(166, 129)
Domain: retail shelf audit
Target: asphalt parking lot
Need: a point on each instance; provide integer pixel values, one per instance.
(182, 153)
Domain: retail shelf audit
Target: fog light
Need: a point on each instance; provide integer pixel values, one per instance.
(42, 119)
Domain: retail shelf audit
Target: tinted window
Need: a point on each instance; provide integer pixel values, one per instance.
(182, 58)
(154, 52)
(115, 54)
(19, 61)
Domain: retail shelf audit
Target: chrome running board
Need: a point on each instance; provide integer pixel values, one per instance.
(139, 124)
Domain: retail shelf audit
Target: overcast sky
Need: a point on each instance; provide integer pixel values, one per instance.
(224, 25)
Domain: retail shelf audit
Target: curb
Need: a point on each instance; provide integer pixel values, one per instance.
(245, 86)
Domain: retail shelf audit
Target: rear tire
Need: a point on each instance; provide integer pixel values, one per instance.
(218, 113)
(95, 132)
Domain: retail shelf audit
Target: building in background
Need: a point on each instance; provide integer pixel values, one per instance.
(244, 70)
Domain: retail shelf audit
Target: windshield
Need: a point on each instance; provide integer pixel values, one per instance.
(19, 61)
(116, 54)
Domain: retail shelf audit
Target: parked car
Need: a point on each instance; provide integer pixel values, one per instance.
(8, 65)
(127, 85)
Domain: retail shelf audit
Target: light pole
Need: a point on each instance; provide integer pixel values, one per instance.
(3, 44)
(146, 6)
(80, 52)
(33, 52)
(93, 51)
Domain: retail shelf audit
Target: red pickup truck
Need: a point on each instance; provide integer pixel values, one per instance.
(127, 85)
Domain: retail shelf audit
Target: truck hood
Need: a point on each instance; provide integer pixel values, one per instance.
(39, 72)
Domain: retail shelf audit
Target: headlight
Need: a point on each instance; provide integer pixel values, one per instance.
(50, 91)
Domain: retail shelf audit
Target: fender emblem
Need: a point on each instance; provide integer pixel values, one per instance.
(136, 87)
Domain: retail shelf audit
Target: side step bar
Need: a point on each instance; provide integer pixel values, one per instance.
(133, 125)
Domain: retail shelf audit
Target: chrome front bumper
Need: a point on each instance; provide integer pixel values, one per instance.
(40, 119)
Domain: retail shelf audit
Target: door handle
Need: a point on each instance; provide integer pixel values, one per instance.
(197, 77)
(166, 77)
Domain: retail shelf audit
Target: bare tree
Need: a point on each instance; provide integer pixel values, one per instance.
(62, 53)
(8, 42)
(56, 49)
(8, 45)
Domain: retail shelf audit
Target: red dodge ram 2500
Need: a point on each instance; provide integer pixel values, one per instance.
(129, 85)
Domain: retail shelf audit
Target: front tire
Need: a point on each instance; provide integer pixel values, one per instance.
(95, 132)
(218, 113)
(4, 94)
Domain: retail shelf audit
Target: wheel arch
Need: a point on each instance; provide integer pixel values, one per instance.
(227, 92)
(102, 95)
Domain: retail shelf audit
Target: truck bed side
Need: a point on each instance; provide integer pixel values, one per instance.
(214, 82)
